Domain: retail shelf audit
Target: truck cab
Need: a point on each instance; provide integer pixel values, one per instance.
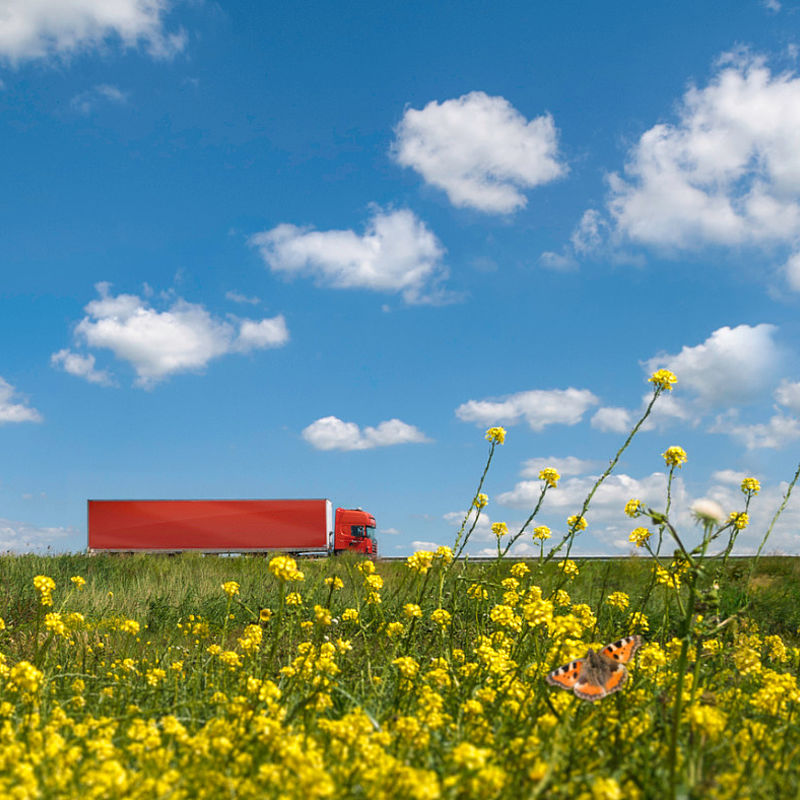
(355, 531)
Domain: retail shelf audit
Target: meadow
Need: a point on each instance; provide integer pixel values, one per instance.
(190, 676)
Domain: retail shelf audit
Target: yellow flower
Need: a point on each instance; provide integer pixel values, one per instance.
(294, 599)
(444, 553)
(618, 600)
(674, 456)
(412, 610)
(284, 568)
(663, 379)
(568, 567)
(441, 617)
(45, 586)
(634, 507)
(2, 624)
(78, 582)
(481, 500)
(520, 569)
(638, 621)
(550, 476)
(750, 486)
(322, 615)
(350, 615)
(420, 562)
(541, 532)
(395, 629)
(230, 588)
(499, 529)
(25, 676)
(607, 788)
(639, 536)
(497, 435)
(335, 582)
(740, 519)
(265, 615)
(577, 523)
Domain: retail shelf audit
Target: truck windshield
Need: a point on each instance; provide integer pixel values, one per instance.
(358, 531)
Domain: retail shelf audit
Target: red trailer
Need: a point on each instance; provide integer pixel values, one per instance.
(228, 526)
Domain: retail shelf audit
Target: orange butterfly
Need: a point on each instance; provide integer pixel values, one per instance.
(598, 674)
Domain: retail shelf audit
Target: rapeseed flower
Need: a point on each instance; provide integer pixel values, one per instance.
(577, 523)
(496, 435)
(674, 456)
(663, 379)
(550, 476)
(639, 536)
(750, 486)
(499, 529)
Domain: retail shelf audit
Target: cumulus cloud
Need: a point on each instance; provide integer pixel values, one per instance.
(182, 338)
(13, 408)
(396, 253)
(86, 101)
(774, 434)
(23, 537)
(31, 29)
(612, 419)
(788, 395)
(725, 173)
(732, 366)
(82, 366)
(483, 528)
(480, 150)
(538, 407)
(567, 465)
(332, 433)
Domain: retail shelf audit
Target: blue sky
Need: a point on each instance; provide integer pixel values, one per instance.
(315, 249)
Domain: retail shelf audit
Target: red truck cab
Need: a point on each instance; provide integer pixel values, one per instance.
(355, 531)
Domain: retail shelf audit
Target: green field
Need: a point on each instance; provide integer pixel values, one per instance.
(154, 681)
(184, 677)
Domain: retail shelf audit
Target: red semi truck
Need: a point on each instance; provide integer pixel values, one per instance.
(306, 527)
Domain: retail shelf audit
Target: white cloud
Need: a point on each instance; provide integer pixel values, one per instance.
(396, 253)
(419, 545)
(86, 101)
(538, 407)
(22, 537)
(732, 366)
(728, 173)
(568, 465)
(589, 233)
(483, 528)
(32, 29)
(779, 431)
(612, 420)
(558, 262)
(14, 409)
(480, 150)
(238, 297)
(788, 395)
(389, 532)
(185, 337)
(332, 433)
(82, 366)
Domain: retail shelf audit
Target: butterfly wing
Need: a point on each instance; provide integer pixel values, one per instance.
(607, 682)
(621, 652)
(567, 676)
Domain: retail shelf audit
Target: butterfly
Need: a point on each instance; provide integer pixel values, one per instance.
(598, 674)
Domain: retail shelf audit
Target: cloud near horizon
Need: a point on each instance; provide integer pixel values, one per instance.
(538, 407)
(332, 433)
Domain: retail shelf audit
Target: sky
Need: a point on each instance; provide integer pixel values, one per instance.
(313, 249)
